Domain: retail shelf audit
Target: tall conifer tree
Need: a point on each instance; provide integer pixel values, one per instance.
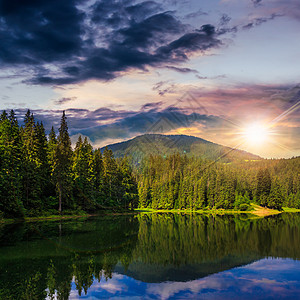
(63, 162)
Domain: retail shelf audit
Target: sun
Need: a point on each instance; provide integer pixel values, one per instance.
(256, 134)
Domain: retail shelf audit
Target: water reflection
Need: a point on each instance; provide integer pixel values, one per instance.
(152, 256)
(264, 279)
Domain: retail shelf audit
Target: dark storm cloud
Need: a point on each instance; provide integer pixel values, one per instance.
(62, 42)
(151, 31)
(34, 32)
(120, 12)
(180, 49)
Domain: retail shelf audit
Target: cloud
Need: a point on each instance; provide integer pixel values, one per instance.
(78, 119)
(195, 14)
(171, 119)
(213, 114)
(64, 42)
(248, 282)
(212, 77)
(38, 32)
(259, 21)
(256, 2)
(225, 19)
(290, 9)
(104, 125)
(181, 70)
(164, 87)
(205, 104)
(180, 49)
(64, 100)
(244, 24)
(153, 105)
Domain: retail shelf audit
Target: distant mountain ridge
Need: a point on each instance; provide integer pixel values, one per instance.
(159, 144)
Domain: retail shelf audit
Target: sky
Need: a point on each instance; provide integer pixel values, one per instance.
(223, 70)
(268, 278)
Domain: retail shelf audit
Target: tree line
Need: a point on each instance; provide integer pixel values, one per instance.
(182, 182)
(40, 173)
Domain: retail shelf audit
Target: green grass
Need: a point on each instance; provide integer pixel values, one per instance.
(292, 210)
(46, 217)
(56, 217)
(255, 210)
(68, 215)
(201, 211)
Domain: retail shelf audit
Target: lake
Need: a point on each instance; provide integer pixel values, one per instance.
(152, 256)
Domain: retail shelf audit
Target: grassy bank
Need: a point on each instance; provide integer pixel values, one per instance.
(256, 210)
(46, 217)
(75, 215)
(291, 210)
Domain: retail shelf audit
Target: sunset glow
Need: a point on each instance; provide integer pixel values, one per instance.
(212, 69)
(256, 134)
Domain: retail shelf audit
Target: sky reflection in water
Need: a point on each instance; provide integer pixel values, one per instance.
(268, 278)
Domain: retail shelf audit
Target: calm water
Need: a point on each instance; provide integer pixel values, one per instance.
(153, 256)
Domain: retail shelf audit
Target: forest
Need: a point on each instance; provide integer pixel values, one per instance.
(41, 174)
(182, 182)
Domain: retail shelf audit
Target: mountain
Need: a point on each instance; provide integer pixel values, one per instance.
(158, 144)
(156, 273)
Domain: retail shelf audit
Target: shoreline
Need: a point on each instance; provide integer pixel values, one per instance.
(64, 217)
(257, 211)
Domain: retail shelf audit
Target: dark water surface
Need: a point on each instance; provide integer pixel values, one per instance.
(152, 256)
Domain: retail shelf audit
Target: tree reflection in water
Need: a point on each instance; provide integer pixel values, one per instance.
(39, 261)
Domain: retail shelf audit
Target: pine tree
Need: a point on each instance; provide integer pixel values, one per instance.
(10, 166)
(98, 176)
(43, 169)
(144, 195)
(63, 162)
(82, 171)
(128, 189)
(112, 180)
(263, 186)
(276, 197)
(51, 155)
(31, 163)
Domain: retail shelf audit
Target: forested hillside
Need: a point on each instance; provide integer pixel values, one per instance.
(158, 144)
(183, 182)
(41, 175)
